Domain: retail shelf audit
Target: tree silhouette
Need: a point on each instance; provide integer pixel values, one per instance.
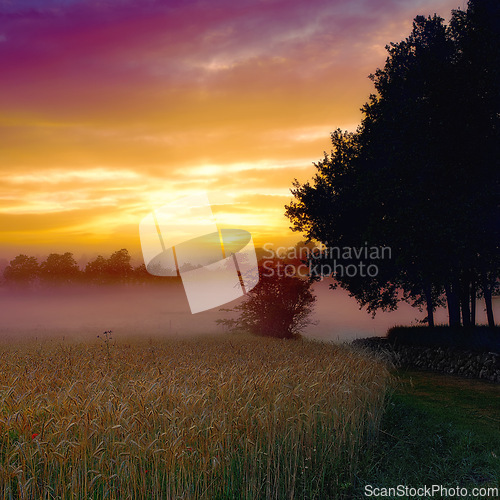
(279, 305)
(95, 271)
(59, 269)
(115, 269)
(22, 271)
(421, 174)
(118, 266)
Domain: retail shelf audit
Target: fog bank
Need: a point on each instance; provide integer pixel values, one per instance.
(155, 310)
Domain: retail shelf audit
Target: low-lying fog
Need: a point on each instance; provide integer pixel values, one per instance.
(156, 310)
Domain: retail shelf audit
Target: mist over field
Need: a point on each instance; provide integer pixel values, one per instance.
(82, 312)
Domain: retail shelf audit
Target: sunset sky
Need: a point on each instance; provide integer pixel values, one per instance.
(109, 109)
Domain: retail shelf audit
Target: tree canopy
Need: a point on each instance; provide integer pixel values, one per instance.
(21, 271)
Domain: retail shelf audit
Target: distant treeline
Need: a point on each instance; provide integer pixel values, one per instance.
(59, 269)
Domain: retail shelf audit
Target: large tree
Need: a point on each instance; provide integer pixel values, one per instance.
(421, 174)
(22, 271)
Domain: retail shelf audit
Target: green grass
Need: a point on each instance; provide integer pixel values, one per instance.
(437, 429)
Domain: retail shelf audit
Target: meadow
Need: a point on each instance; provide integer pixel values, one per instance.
(228, 417)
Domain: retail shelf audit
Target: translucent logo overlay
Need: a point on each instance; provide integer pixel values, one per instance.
(182, 239)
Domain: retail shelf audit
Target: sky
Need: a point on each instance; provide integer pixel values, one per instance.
(110, 109)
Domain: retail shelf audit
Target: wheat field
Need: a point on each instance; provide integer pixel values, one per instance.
(230, 417)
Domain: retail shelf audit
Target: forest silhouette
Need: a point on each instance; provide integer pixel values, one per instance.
(62, 269)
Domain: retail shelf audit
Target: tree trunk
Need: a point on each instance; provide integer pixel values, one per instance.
(453, 305)
(465, 302)
(473, 304)
(489, 305)
(429, 305)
